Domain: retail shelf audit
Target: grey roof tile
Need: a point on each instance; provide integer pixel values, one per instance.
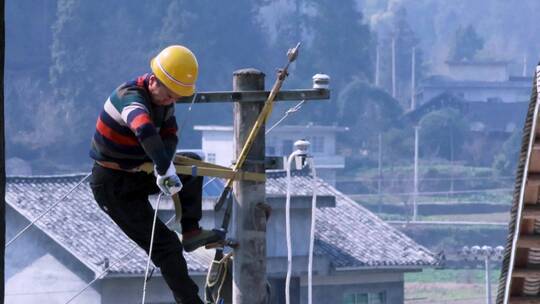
(348, 234)
(79, 225)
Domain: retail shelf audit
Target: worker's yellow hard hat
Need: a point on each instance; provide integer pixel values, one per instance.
(177, 68)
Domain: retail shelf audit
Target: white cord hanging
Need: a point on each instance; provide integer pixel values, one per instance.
(300, 152)
(312, 229)
(151, 247)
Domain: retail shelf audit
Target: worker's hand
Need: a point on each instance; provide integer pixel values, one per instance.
(169, 183)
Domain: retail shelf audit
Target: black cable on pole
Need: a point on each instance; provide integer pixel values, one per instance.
(2, 152)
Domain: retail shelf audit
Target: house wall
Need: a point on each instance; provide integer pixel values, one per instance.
(333, 288)
(479, 72)
(219, 147)
(281, 141)
(479, 93)
(129, 290)
(40, 271)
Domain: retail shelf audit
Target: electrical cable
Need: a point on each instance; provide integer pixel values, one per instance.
(46, 211)
(120, 261)
(432, 193)
(151, 247)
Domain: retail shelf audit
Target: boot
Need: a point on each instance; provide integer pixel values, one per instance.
(200, 237)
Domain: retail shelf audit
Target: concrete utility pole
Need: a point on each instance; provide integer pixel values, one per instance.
(379, 177)
(249, 222)
(377, 65)
(487, 253)
(394, 91)
(413, 79)
(524, 73)
(415, 191)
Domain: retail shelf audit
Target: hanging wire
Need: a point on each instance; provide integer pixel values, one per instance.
(151, 247)
(120, 261)
(289, 111)
(186, 116)
(47, 211)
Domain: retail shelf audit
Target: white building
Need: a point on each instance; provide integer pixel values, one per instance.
(477, 81)
(217, 143)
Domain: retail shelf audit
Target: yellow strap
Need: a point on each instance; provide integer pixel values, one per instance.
(177, 208)
(201, 168)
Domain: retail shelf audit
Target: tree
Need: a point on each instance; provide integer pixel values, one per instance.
(367, 111)
(442, 133)
(506, 161)
(466, 45)
(341, 49)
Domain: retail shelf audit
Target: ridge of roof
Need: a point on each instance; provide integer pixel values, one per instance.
(349, 234)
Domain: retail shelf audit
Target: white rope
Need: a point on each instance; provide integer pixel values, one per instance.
(47, 211)
(288, 228)
(312, 230)
(121, 260)
(151, 247)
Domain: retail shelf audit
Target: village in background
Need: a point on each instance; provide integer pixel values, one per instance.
(417, 147)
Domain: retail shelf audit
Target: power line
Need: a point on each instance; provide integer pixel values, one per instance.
(430, 193)
(118, 262)
(47, 211)
(289, 111)
(375, 179)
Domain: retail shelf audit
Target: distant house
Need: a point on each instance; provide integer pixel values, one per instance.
(358, 257)
(217, 142)
(492, 102)
(477, 81)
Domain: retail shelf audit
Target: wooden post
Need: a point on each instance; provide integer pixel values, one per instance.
(249, 222)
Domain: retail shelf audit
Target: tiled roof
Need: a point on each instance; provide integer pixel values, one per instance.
(78, 225)
(348, 234)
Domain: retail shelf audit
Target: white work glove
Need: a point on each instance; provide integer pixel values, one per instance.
(169, 183)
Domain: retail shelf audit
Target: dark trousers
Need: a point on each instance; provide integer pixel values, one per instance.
(124, 197)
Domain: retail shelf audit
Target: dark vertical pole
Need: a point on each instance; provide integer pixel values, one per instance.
(249, 222)
(2, 152)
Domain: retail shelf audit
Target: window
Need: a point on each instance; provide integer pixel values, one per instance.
(365, 298)
(211, 158)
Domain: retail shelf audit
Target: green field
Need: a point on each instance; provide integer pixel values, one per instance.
(448, 286)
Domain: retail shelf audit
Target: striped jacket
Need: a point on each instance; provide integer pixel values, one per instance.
(131, 130)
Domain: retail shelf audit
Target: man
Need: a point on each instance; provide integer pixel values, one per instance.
(138, 125)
